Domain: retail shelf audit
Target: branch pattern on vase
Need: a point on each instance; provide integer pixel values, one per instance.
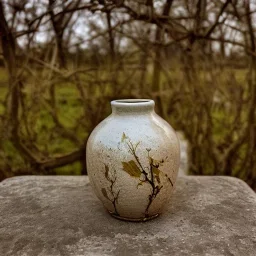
(150, 174)
(110, 193)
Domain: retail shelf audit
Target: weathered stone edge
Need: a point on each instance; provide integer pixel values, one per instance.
(36, 177)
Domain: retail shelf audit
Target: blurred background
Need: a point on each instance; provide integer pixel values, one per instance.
(62, 62)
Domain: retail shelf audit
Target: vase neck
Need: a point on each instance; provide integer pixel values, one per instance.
(132, 106)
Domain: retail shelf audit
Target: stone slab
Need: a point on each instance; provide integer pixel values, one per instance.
(61, 216)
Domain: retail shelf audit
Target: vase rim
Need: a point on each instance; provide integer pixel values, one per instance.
(132, 101)
(132, 105)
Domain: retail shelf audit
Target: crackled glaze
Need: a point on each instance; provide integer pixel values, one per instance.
(132, 160)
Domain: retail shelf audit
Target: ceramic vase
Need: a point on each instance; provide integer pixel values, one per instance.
(133, 160)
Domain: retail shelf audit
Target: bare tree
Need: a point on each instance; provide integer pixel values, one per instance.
(66, 60)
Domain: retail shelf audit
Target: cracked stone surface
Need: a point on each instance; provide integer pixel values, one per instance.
(61, 216)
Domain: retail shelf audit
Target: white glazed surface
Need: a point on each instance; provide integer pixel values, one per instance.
(133, 124)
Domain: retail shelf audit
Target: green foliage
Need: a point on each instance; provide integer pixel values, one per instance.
(104, 192)
(3, 92)
(107, 172)
(183, 114)
(71, 169)
(42, 128)
(156, 171)
(131, 168)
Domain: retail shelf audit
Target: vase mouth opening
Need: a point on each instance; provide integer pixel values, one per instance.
(132, 101)
(132, 105)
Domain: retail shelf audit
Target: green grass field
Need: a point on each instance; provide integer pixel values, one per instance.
(69, 107)
(48, 139)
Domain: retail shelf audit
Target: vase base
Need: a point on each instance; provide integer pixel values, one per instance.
(143, 219)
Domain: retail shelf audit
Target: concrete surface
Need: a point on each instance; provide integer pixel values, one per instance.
(60, 216)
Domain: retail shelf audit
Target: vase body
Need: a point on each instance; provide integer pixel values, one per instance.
(133, 160)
